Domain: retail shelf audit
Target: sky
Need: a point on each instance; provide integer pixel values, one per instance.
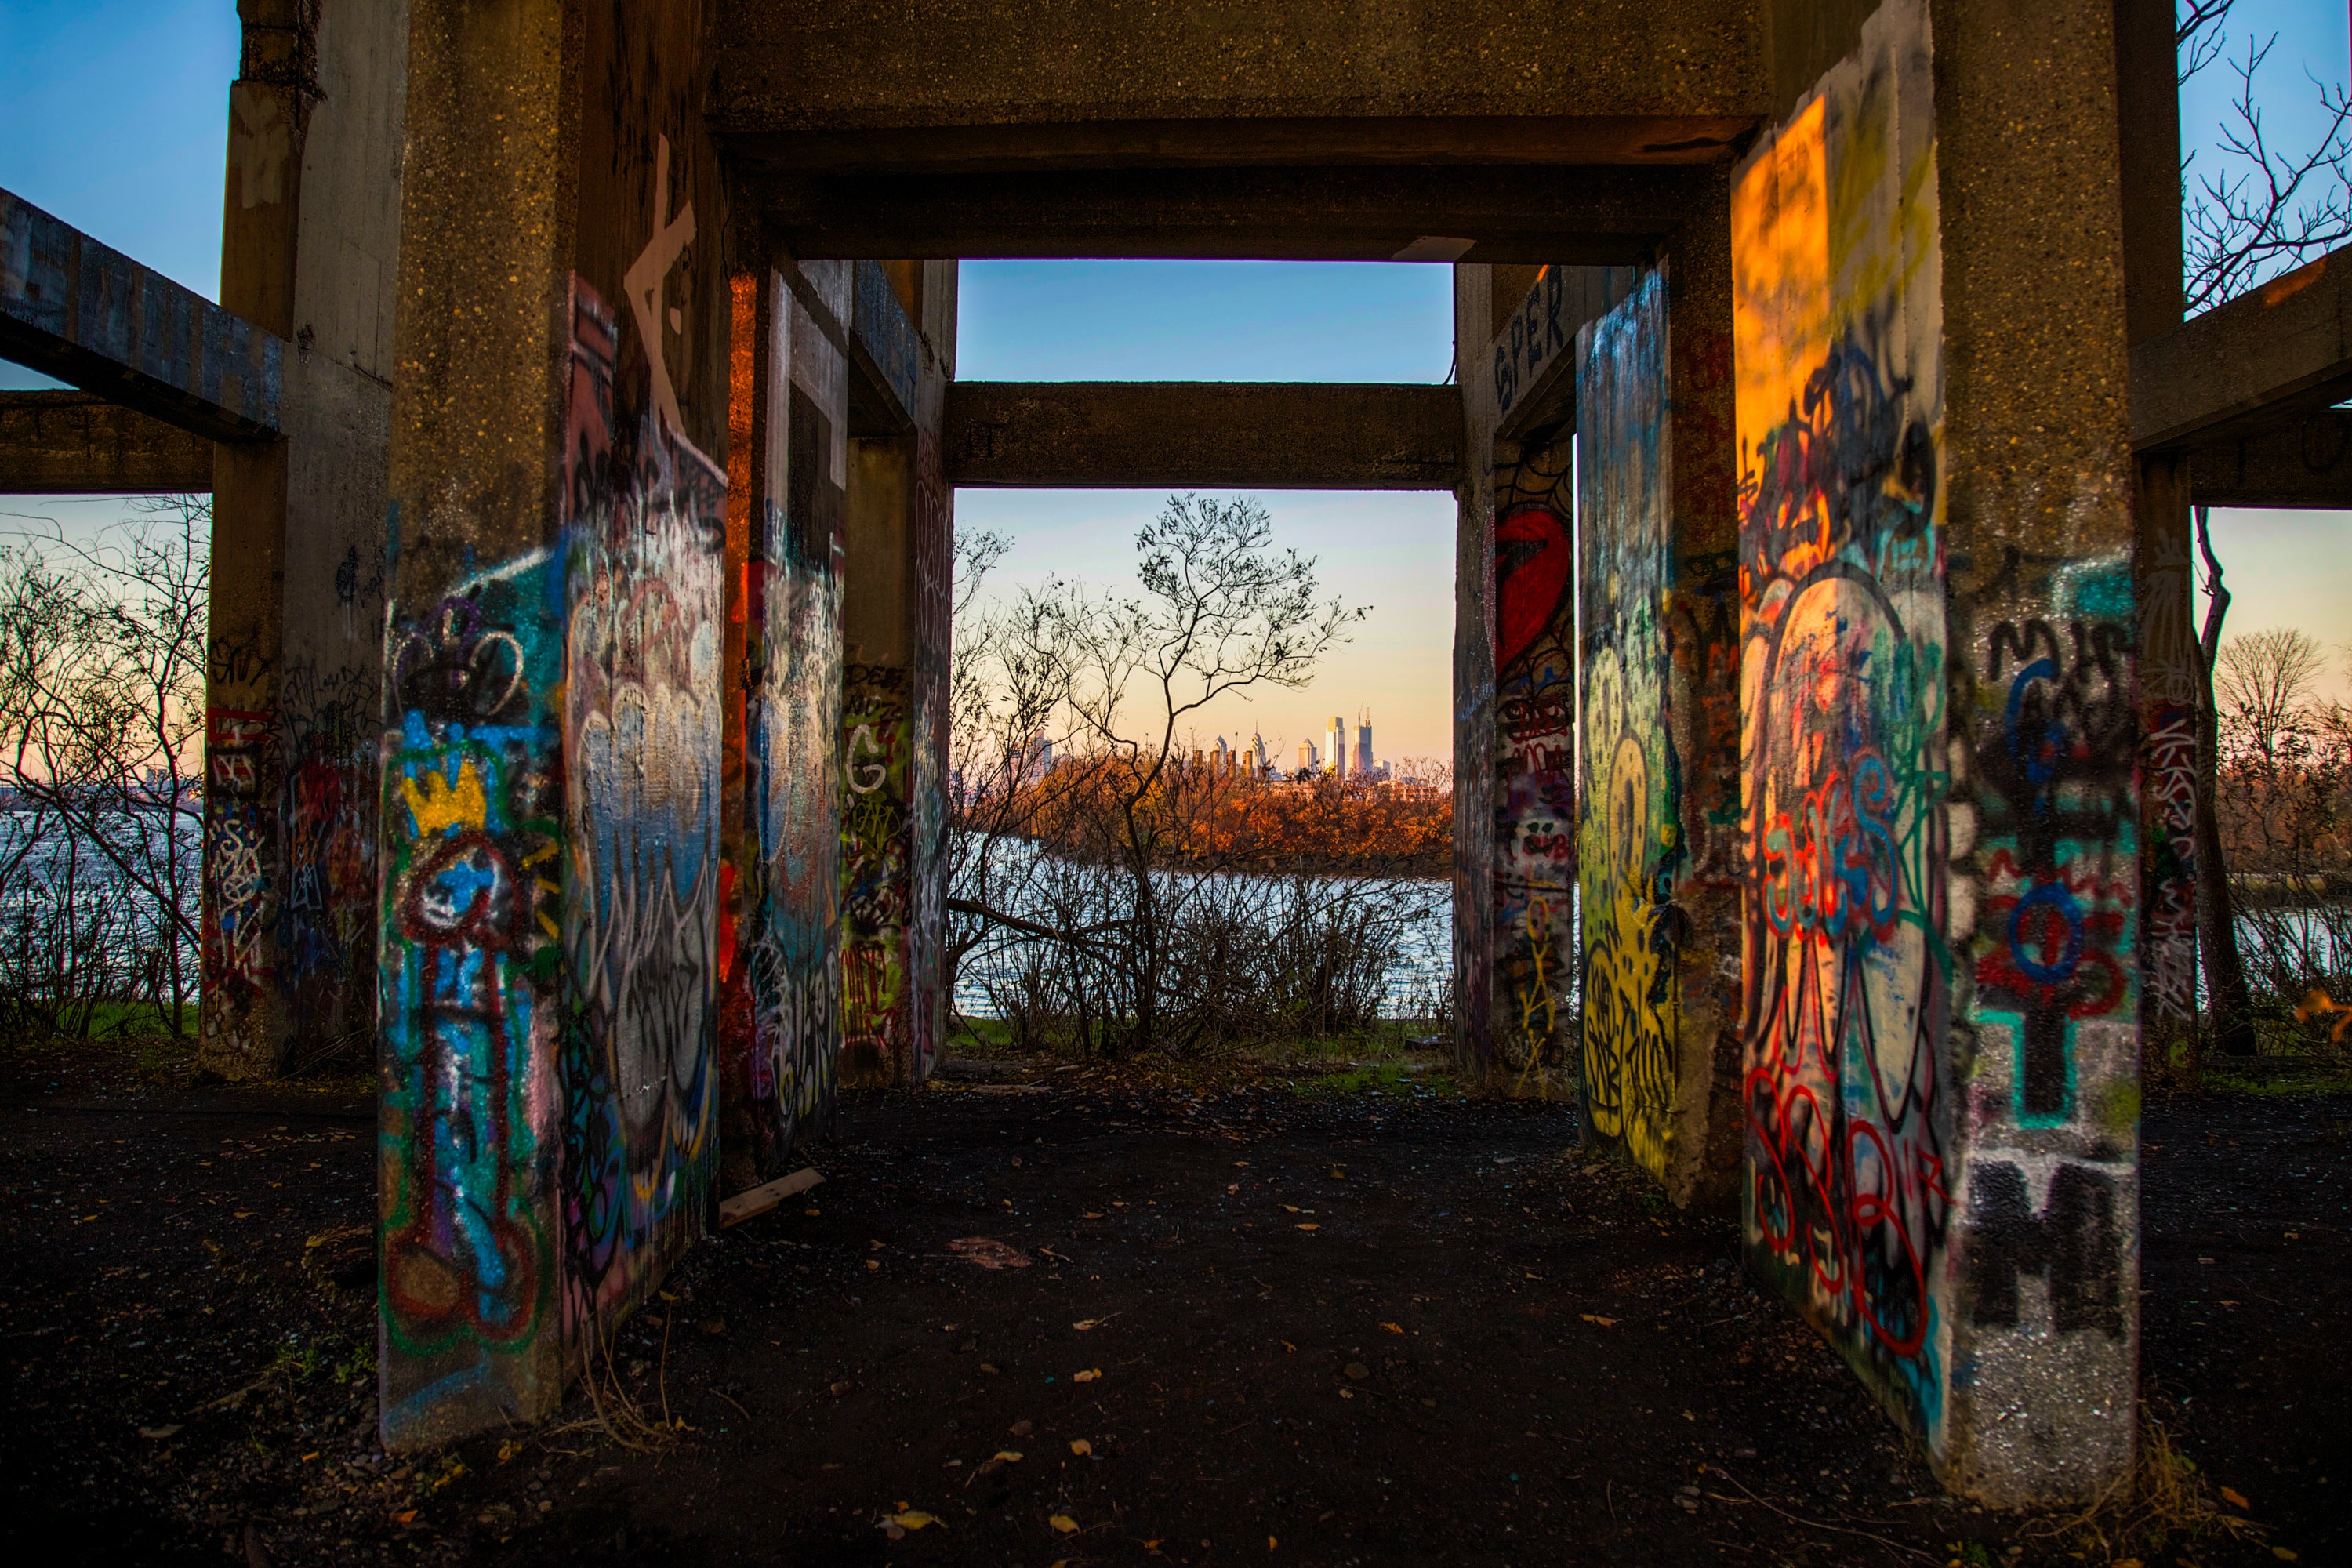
(145, 175)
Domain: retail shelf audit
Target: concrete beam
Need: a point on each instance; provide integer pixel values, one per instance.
(2240, 368)
(2301, 463)
(1178, 435)
(1597, 216)
(871, 84)
(72, 443)
(91, 316)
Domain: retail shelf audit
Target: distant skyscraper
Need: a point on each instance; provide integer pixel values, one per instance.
(1335, 745)
(1257, 751)
(1306, 756)
(1364, 742)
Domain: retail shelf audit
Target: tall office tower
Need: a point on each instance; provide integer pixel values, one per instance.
(1334, 743)
(1306, 756)
(1221, 760)
(1364, 743)
(1257, 751)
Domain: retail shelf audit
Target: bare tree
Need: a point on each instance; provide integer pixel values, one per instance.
(2261, 682)
(2263, 208)
(101, 719)
(1116, 677)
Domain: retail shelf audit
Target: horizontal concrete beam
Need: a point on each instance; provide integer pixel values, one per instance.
(1204, 434)
(2243, 367)
(2302, 463)
(75, 443)
(91, 317)
(1024, 81)
(1596, 217)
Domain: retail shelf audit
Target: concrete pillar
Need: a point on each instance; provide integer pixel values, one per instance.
(1475, 976)
(309, 236)
(780, 939)
(1939, 817)
(1657, 819)
(896, 609)
(551, 730)
(2148, 103)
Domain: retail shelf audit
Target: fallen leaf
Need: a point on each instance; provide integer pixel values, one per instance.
(2283, 1554)
(1023, 1428)
(989, 1252)
(1310, 1226)
(1358, 1371)
(2234, 1498)
(404, 1517)
(1596, 1317)
(1092, 1215)
(1064, 1523)
(1294, 1208)
(912, 1519)
(1087, 1376)
(1080, 1445)
(158, 1432)
(843, 1386)
(1083, 1324)
(1393, 1328)
(873, 1263)
(1270, 1542)
(1007, 1456)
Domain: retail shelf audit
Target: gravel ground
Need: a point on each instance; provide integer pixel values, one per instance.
(1389, 1325)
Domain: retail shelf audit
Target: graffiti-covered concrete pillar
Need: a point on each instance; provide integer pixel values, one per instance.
(1516, 765)
(2149, 109)
(551, 732)
(1939, 816)
(310, 234)
(1657, 863)
(780, 1033)
(897, 606)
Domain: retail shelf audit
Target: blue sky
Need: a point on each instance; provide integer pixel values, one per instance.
(113, 115)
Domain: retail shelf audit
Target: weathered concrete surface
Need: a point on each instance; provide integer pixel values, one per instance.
(295, 644)
(2148, 107)
(1578, 215)
(76, 442)
(2304, 461)
(896, 603)
(1658, 843)
(91, 316)
(1237, 81)
(1244, 435)
(551, 728)
(1940, 817)
(2282, 350)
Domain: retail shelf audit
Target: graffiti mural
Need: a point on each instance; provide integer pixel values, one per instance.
(934, 585)
(241, 774)
(326, 935)
(794, 774)
(1535, 809)
(1849, 967)
(876, 746)
(644, 536)
(470, 971)
(1629, 819)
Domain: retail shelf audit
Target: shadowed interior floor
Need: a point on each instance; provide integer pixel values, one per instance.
(1328, 1328)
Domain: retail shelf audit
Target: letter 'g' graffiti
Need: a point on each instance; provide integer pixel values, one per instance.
(2073, 1244)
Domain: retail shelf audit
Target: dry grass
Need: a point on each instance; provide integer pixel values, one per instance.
(2165, 1501)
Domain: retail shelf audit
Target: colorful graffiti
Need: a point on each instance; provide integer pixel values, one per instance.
(644, 536)
(326, 935)
(1535, 820)
(1629, 843)
(469, 975)
(877, 885)
(1849, 970)
(795, 780)
(241, 777)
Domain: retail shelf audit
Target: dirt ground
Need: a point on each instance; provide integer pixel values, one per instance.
(1256, 1323)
